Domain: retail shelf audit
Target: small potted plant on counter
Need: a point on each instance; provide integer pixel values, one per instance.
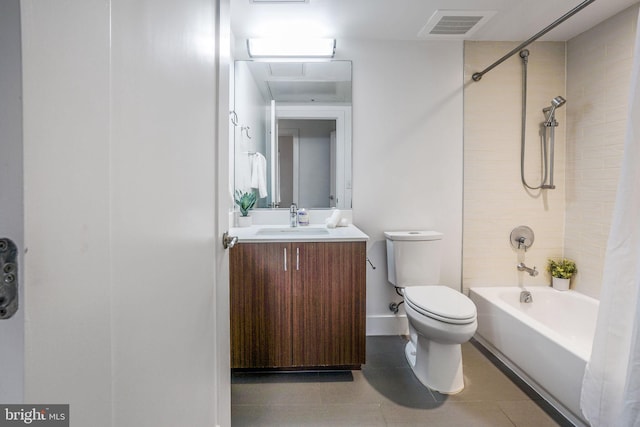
(561, 270)
(245, 201)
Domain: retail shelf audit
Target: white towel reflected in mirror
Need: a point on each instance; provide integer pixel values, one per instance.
(259, 174)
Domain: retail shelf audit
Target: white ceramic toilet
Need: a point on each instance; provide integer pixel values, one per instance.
(440, 318)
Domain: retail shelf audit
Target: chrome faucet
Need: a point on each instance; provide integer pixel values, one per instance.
(526, 297)
(293, 215)
(532, 271)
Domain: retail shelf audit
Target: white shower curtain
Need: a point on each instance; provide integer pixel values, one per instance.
(611, 387)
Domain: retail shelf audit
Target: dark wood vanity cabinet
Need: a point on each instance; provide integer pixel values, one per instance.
(260, 297)
(298, 305)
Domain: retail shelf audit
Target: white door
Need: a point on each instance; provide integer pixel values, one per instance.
(333, 195)
(224, 197)
(11, 198)
(288, 167)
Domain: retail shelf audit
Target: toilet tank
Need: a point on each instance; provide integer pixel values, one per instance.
(413, 257)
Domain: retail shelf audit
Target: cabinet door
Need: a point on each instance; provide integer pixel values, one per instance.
(260, 293)
(329, 303)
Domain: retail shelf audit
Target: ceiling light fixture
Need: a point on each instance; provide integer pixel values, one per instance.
(279, 1)
(291, 48)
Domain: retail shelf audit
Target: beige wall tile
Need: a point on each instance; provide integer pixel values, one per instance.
(593, 70)
(495, 199)
(599, 65)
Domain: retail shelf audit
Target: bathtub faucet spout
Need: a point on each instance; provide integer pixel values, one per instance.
(532, 271)
(526, 297)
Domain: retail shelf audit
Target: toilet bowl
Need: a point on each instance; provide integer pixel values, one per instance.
(440, 318)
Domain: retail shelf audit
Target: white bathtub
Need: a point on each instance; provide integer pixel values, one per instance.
(546, 342)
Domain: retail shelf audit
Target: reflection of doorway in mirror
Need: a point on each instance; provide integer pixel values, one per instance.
(311, 162)
(287, 139)
(333, 169)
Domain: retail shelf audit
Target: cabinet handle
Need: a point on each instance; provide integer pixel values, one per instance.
(297, 258)
(285, 259)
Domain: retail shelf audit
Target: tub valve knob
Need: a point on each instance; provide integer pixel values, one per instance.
(522, 242)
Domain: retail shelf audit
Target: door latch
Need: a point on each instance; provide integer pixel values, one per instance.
(228, 241)
(9, 278)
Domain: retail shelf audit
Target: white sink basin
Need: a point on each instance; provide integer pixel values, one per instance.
(294, 231)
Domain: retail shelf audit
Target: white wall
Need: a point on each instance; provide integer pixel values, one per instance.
(251, 109)
(407, 155)
(120, 163)
(11, 194)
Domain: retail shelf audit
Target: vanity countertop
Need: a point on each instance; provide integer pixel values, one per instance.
(309, 233)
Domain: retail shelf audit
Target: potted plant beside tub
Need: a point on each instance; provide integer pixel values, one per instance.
(561, 270)
(245, 201)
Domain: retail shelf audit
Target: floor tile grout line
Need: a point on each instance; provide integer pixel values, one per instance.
(389, 398)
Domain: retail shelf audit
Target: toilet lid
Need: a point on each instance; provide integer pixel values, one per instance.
(442, 303)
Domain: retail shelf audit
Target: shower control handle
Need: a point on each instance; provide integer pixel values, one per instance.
(522, 238)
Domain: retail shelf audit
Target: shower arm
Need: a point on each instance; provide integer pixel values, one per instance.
(550, 120)
(549, 114)
(477, 76)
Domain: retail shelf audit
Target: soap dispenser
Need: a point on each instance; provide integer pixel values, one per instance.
(303, 217)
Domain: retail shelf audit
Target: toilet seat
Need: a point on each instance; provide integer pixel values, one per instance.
(441, 303)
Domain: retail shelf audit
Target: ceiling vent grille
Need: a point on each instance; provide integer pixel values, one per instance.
(454, 24)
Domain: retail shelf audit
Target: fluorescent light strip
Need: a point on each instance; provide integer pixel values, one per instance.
(291, 48)
(279, 1)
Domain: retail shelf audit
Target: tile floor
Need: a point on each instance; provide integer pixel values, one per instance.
(385, 393)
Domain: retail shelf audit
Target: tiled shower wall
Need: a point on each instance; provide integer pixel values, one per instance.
(599, 65)
(574, 219)
(495, 200)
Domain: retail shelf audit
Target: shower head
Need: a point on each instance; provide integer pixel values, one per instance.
(556, 102)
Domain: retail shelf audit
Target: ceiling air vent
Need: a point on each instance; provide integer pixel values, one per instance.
(455, 24)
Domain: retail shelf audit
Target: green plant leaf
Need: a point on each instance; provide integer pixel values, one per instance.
(562, 268)
(245, 201)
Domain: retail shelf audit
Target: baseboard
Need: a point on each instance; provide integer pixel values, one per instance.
(388, 324)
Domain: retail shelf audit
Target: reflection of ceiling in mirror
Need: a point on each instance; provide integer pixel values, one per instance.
(286, 69)
(310, 91)
(328, 81)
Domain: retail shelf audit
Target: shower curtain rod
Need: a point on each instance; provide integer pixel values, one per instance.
(477, 76)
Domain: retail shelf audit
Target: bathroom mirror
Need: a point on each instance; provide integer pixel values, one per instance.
(291, 125)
